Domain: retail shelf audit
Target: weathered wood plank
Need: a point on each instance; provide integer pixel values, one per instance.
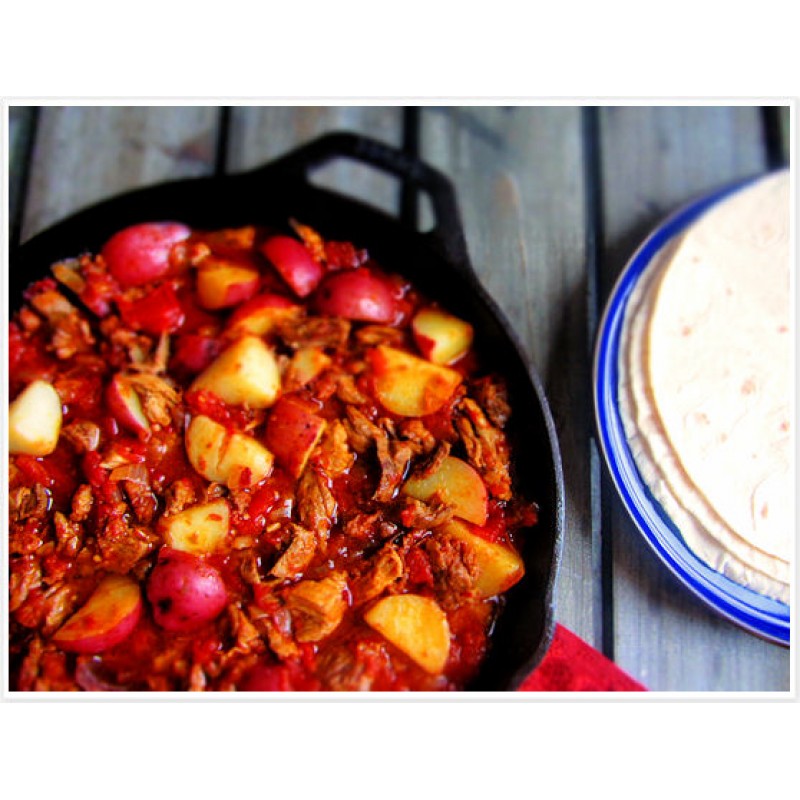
(84, 154)
(518, 176)
(20, 133)
(654, 159)
(259, 134)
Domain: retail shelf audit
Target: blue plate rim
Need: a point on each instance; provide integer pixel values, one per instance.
(760, 615)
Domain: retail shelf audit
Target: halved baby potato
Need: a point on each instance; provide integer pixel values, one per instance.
(105, 619)
(416, 625)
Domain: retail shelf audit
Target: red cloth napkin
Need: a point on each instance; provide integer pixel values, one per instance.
(571, 665)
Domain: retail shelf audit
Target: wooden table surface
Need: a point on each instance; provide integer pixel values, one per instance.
(554, 200)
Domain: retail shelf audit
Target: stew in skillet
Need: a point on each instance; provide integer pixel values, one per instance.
(251, 460)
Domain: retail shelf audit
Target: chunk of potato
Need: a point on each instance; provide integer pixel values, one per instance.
(441, 337)
(416, 626)
(306, 364)
(34, 420)
(200, 529)
(246, 373)
(499, 567)
(408, 385)
(457, 484)
(235, 459)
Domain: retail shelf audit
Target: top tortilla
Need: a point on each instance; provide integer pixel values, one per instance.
(701, 528)
(718, 362)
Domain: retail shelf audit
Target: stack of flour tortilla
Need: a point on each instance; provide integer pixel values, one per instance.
(706, 376)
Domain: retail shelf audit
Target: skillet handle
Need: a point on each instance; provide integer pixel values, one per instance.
(447, 234)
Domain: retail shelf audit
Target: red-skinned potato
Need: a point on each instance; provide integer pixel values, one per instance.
(125, 405)
(292, 433)
(140, 253)
(105, 619)
(357, 294)
(441, 337)
(261, 314)
(293, 263)
(223, 285)
(184, 591)
(194, 352)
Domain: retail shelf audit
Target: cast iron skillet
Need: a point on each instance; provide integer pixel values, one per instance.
(436, 261)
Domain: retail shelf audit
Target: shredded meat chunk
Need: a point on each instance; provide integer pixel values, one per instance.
(426, 468)
(122, 545)
(393, 455)
(83, 435)
(157, 396)
(316, 505)
(274, 620)
(333, 455)
(371, 335)
(385, 569)
(454, 569)
(28, 503)
(418, 515)
(82, 502)
(313, 331)
(492, 396)
(347, 391)
(394, 458)
(69, 534)
(317, 607)
(417, 435)
(297, 556)
(71, 331)
(179, 495)
(26, 575)
(142, 500)
(487, 447)
(361, 431)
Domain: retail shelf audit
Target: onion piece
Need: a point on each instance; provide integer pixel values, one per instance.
(135, 473)
(86, 676)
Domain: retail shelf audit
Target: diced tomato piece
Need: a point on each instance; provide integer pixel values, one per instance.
(55, 472)
(419, 567)
(344, 255)
(195, 318)
(95, 474)
(157, 312)
(287, 677)
(202, 401)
